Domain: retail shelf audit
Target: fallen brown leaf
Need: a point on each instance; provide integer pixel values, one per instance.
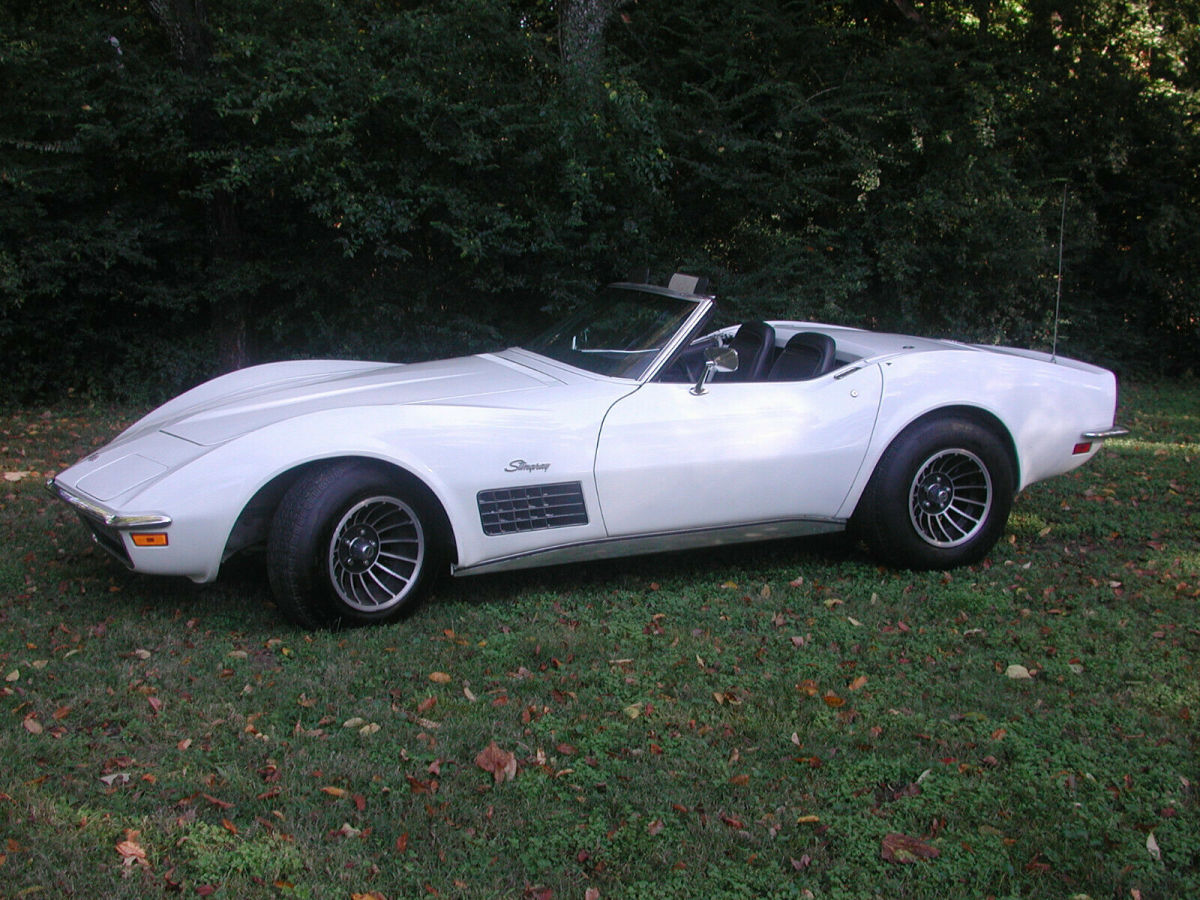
(417, 786)
(132, 853)
(900, 848)
(808, 687)
(501, 763)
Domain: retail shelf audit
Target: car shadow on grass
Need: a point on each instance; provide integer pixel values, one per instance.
(760, 561)
(239, 599)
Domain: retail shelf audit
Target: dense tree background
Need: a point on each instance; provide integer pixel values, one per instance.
(190, 186)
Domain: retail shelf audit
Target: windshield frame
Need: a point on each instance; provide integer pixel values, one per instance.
(693, 311)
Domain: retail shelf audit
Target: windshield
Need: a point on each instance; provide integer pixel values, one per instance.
(618, 332)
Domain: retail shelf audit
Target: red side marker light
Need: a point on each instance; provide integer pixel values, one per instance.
(1081, 448)
(149, 539)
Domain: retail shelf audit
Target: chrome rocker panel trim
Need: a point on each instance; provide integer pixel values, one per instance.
(665, 542)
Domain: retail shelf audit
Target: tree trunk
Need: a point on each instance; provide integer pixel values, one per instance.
(581, 32)
(185, 26)
(229, 312)
(184, 23)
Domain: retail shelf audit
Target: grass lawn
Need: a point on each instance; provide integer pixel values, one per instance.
(782, 720)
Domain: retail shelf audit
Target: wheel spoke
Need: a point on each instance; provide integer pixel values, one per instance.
(380, 567)
(962, 515)
(965, 499)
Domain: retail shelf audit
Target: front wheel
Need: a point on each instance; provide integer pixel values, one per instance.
(940, 496)
(352, 544)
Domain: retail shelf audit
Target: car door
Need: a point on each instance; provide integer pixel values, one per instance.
(669, 460)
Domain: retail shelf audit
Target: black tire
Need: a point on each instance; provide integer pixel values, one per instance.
(939, 497)
(353, 544)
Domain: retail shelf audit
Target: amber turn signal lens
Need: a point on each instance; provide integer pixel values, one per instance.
(149, 539)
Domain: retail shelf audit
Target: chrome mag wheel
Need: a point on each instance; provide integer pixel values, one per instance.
(376, 553)
(950, 498)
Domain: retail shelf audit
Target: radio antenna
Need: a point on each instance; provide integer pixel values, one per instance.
(1062, 227)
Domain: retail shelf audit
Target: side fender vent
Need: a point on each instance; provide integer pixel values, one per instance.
(513, 510)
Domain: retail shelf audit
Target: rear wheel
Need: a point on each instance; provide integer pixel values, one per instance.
(352, 544)
(940, 496)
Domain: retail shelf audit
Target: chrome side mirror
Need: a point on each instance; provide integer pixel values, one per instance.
(716, 359)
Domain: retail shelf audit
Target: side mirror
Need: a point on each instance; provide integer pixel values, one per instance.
(716, 359)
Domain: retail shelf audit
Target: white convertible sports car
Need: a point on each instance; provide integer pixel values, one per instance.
(630, 427)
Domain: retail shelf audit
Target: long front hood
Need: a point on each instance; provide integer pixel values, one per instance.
(254, 398)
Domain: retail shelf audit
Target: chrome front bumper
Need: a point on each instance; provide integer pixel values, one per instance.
(106, 517)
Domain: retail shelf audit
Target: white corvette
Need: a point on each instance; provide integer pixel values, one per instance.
(629, 428)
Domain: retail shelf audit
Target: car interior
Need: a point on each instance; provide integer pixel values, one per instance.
(804, 356)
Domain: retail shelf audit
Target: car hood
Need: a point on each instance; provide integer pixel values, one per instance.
(264, 395)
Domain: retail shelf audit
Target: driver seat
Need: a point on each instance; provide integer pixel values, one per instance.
(755, 344)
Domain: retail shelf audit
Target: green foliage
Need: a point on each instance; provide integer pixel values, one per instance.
(334, 179)
(909, 173)
(214, 855)
(186, 187)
